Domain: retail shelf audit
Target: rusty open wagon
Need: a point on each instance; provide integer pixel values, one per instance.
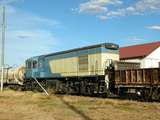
(145, 82)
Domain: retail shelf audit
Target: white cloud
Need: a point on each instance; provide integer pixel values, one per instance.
(116, 13)
(139, 8)
(144, 5)
(155, 27)
(102, 17)
(97, 6)
(90, 8)
(100, 7)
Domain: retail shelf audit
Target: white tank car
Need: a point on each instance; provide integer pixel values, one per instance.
(14, 76)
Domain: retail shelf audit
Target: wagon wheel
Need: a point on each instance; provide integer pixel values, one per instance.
(156, 94)
(148, 94)
(145, 95)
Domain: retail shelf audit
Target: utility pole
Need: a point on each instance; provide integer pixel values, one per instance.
(2, 48)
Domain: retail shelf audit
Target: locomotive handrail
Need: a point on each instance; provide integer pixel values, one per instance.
(40, 85)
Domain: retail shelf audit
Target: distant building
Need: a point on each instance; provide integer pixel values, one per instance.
(148, 55)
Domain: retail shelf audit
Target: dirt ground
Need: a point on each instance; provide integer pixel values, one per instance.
(37, 106)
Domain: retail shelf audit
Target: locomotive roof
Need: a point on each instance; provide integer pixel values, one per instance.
(106, 45)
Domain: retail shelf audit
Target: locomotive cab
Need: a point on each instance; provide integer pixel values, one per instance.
(32, 67)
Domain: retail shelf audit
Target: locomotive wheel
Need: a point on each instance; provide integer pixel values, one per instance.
(82, 87)
(58, 87)
(68, 89)
(86, 88)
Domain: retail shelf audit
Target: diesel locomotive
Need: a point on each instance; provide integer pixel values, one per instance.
(76, 71)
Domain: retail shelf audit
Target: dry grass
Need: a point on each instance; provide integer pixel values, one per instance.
(36, 106)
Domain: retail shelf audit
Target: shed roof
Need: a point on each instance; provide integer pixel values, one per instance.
(137, 51)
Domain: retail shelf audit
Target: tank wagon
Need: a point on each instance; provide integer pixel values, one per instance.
(13, 77)
(76, 71)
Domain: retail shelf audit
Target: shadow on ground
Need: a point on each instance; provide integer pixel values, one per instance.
(71, 107)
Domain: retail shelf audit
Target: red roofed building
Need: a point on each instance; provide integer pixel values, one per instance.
(148, 55)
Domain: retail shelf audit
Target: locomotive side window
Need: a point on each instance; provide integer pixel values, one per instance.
(35, 64)
(31, 64)
(28, 64)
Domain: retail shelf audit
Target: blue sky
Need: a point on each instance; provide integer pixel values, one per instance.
(36, 27)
